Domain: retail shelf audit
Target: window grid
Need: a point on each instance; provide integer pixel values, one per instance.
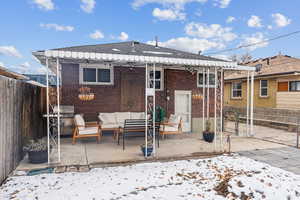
(236, 91)
(264, 88)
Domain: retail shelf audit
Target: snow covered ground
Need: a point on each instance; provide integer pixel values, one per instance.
(223, 177)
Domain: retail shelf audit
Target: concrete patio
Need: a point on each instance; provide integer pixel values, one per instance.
(87, 152)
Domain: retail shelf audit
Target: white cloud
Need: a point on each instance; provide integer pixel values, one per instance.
(168, 14)
(40, 70)
(230, 19)
(123, 36)
(2, 64)
(179, 4)
(193, 45)
(280, 20)
(270, 27)
(25, 65)
(198, 13)
(21, 68)
(222, 56)
(57, 27)
(222, 3)
(214, 31)
(97, 35)
(88, 5)
(254, 21)
(254, 39)
(44, 4)
(10, 51)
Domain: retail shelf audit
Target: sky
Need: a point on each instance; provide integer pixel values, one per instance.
(209, 26)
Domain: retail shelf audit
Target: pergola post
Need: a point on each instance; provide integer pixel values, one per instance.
(215, 109)
(203, 99)
(58, 106)
(154, 110)
(247, 118)
(252, 104)
(146, 109)
(221, 109)
(47, 100)
(207, 84)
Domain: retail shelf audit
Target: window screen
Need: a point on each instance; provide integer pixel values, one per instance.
(211, 79)
(104, 75)
(263, 88)
(89, 75)
(236, 89)
(295, 86)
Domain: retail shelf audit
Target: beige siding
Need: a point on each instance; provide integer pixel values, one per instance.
(264, 102)
(288, 100)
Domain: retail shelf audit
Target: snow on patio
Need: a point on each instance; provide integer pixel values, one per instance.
(231, 177)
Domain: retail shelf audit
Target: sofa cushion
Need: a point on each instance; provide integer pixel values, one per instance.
(168, 128)
(88, 130)
(174, 119)
(122, 116)
(137, 115)
(107, 118)
(79, 121)
(110, 126)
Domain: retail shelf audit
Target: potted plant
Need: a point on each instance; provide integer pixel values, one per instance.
(37, 151)
(208, 134)
(149, 145)
(149, 149)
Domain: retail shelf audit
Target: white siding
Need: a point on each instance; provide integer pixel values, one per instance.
(288, 100)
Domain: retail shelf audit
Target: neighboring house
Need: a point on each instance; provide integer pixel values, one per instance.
(119, 86)
(277, 84)
(41, 78)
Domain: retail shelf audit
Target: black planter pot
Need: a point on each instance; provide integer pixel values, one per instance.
(37, 157)
(149, 151)
(208, 136)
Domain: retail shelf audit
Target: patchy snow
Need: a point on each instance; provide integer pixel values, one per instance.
(223, 177)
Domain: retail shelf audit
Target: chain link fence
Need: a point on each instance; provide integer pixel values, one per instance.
(274, 125)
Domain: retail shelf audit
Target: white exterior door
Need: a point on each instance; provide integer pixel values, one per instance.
(183, 108)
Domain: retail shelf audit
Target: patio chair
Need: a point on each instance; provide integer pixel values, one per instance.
(85, 129)
(172, 126)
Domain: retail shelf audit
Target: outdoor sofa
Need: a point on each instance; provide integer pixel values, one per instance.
(115, 121)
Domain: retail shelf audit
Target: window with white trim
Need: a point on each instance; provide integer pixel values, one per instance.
(159, 79)
(96, 74)
(294, 86)
(236, 89)
(263, 92)
(200, 80)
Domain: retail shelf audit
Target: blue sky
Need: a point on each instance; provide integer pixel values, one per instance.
(190, 25)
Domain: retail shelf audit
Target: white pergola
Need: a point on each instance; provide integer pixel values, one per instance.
(52, 58)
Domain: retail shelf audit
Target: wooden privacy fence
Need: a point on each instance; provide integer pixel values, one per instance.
(21, 108)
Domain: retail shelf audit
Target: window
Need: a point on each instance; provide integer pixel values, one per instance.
(200, 80)
(263, 88)
(95, 74)
(236, 90)
(159, 79)
(294, 85)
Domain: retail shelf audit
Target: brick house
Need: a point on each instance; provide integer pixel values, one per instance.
(130, 77)
(276, 85)
(119, 86)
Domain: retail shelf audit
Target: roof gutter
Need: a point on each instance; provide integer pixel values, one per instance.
(295, 73)
(137, 58)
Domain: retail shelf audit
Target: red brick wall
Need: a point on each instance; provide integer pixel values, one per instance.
(108, 98)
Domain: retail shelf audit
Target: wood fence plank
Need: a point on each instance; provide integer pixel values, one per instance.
(20, 116)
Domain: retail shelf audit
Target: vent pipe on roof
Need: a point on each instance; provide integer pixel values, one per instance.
(133, 46)
(156, 41)
(199, 52)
